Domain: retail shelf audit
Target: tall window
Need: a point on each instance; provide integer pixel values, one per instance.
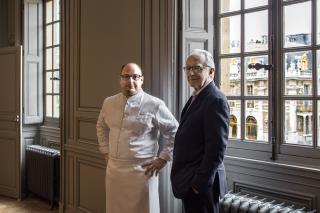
(282, 106)
(299, 79)
(244, 39)
(52, 59)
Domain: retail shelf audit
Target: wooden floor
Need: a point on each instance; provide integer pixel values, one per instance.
(31, 204)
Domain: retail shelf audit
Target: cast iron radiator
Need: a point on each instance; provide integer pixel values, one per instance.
(43, 169)
(239, 203)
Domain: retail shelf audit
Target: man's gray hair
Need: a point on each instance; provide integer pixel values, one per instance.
(207, 55)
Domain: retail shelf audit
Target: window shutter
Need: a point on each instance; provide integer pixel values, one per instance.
(196, 31)
(33, 62)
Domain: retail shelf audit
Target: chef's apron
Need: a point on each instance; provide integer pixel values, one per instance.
(128, 189)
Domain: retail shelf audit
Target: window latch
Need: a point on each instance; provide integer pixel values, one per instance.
(259, 66)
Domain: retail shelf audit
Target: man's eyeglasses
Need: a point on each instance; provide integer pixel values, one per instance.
(195, 68)
(134, 77)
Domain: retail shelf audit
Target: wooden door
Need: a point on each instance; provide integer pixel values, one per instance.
(10, 124)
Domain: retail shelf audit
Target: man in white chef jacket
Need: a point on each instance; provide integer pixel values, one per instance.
(128, 130)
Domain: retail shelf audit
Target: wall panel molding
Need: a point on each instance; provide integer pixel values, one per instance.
(94, 48)
(70, 174)
(99, 56)
(279, 168)
(94, 154)
(89, 172)
(86, 129)
(197, 11)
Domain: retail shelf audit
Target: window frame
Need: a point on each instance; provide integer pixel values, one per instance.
(51, 120)
(243, 98)
(275, 149)
(312, 152)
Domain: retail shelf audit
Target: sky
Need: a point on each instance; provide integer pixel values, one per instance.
(297, 19)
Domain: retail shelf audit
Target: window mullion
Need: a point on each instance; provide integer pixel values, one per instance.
(53, 57)
(314, 73)
(243, 101)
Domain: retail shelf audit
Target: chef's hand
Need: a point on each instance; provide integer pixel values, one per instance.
(154, 166)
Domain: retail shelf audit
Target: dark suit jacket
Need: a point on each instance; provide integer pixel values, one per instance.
(200, 144)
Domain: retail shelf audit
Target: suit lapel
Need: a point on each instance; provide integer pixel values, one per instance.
(189, 110)
(186, 106)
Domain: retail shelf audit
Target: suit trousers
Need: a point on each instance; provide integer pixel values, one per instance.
(204, 202)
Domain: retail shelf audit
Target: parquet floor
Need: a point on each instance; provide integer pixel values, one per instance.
(31, 204)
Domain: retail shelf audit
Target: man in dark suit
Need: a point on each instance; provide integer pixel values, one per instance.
(198, 175)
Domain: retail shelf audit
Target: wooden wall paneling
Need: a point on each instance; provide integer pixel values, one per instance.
(30, 135)
(86, 129)
(146, 43)
(95, 48)
(70, 184)
(8, 181)
(90, 183)
(4, 42)
(14, 22)
(50, 137)
(105, 45)
(64, 87)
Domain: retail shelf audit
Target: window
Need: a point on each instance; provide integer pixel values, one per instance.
(52, 59)
(243, 41)
(233, 126)
(298, 73)
(251, 128)
(281, 105)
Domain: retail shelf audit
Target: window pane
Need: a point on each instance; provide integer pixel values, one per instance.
(49, 105)
(48, 82)
(230, 34)
(298, 122)
(297, 25)
(229, 5)
(298, 73)
(254, 3)
(56, 59)
(56, 10)
(231, 76)
(318, 71)
(49, 35)
(56, 106)
(56, 82)
(235, 119)
(49, 59)
(256, 123)
(256, 31)
(48, 11)
(56, 36)
(256, 81)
